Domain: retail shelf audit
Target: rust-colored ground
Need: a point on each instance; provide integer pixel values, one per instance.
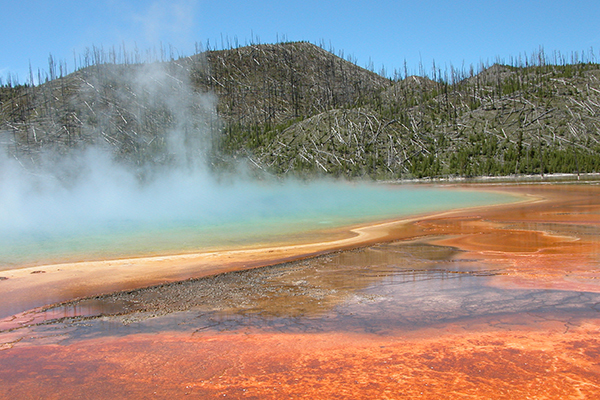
(552, 243)
(549, 364)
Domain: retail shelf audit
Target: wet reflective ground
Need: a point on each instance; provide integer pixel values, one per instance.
(386, 289)
(504, 303)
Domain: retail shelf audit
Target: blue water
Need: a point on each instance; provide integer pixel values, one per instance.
(109, 224)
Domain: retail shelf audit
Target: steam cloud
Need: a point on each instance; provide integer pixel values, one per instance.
(153, 118)
(150, 114)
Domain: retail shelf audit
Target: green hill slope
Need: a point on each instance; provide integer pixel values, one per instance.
(294, 108)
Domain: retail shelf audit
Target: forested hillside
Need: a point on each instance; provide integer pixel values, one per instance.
(294, 108)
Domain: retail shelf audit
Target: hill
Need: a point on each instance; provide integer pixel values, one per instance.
(294, 108)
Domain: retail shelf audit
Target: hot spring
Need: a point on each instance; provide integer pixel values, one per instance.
(104, 217)
(87, 206)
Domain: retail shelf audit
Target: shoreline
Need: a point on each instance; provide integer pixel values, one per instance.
(36, 286)
(509, 179)
(312, 236)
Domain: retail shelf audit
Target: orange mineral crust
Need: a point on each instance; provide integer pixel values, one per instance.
(553, 242)
(449, 363)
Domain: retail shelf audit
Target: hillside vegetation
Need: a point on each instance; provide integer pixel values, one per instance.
(294, 108)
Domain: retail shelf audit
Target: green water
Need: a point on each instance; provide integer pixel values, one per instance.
(240, 216)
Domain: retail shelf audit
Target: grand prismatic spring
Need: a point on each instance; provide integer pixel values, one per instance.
(464, 300)
(190, 285)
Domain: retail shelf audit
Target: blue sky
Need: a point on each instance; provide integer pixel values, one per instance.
(386, 33)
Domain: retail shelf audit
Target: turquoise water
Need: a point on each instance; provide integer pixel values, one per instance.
(74, 227)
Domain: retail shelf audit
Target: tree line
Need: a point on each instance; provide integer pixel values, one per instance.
(296, 108)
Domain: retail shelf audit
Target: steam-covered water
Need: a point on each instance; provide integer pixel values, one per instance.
(108, 218)
(88, 204)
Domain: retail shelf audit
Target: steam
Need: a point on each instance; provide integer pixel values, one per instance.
(139, 181)
(140, 172)
(149, 113)
(146, 138)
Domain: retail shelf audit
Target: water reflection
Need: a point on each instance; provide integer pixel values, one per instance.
(382, 289)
